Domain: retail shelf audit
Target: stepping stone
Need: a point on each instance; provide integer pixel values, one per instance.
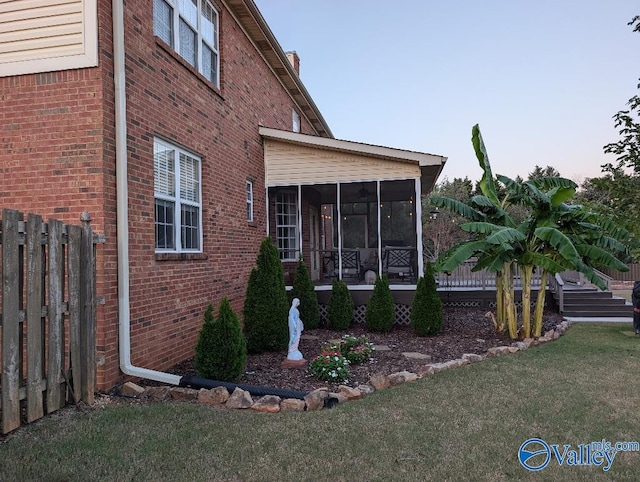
(412, 355)
(381, 348)
(309, 337)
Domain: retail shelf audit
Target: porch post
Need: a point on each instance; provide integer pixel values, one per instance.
(418, 221)
(339, 230)
(267, 210)
(379, 228)
(300, 218)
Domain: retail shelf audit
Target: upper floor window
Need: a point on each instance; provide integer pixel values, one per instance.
(287, 226)
(178, 209)
(295, 121)
(249, 201)
(193, 35)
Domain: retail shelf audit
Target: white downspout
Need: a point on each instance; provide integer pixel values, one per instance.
(122, 196)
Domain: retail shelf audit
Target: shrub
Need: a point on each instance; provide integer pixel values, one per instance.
(304, 290)
(266, 308)
(340, 312)
(330, 365)
(381, 309)
(221, 350)
(357, 350)
(426, 309)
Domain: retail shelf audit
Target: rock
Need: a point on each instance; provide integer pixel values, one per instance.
(549, 334)
(412, 355)
(292, 405)
(556, 335)
(425, 370)
(267, 404)
(315, 400)
(365, 389)
(158, 394)
(381, 348)
(339, 397)
(350, 393)
(308, 337)
(214, 396)
(528, 342)
(520, 345)
(472, 357)
(131, 389)
(239, 399)
(402, 377)
(514, 349)
(498, 350)
(184, 394)
(379, 381)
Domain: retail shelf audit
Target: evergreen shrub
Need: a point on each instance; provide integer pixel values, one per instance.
(221, 350)
(381, 310)
(340, 311)
(266, 306)
(426, 309)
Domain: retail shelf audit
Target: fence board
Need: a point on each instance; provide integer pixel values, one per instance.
(35, 368)
(88, 329)
(73, 254)
(10, 323)
(56, 321)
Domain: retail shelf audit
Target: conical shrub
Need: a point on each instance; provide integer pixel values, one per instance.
(340, 311)
(381, 310)
(221, 351)
(426, 309)
(304, 290)
(266, 308)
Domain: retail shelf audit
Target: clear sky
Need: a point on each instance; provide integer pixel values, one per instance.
(542, 78)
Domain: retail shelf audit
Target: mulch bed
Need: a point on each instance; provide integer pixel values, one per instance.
(465, 330)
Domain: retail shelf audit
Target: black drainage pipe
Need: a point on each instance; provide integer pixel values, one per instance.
(199, 382)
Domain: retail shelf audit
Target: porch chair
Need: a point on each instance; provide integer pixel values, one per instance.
(398, 262)
(351, 263)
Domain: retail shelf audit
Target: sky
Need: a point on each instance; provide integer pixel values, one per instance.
(542, 78)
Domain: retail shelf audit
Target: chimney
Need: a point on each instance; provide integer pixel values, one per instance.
(294, 60)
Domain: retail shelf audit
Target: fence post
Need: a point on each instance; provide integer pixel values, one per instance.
(10, 321)
(88, 304)
(56, 325)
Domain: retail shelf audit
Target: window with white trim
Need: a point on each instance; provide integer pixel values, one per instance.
(295, 121)
(178, 209)
(287, 226)
(249, 200)
(191, 28)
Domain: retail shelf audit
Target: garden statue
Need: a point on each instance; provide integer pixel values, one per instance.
(295, 330)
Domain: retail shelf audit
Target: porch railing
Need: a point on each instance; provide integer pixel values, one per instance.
(464, 277)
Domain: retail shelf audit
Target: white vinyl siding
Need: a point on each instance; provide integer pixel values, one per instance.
(178, 210)
(191, 28)
(47, 35)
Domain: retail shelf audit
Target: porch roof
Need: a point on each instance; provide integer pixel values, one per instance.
(292, 158)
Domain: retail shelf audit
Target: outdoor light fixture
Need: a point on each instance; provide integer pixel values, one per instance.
(433, 214)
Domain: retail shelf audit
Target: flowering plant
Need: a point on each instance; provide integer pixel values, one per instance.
(330, 365)
(357, 350)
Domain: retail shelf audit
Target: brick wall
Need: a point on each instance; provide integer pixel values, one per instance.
(58, 158)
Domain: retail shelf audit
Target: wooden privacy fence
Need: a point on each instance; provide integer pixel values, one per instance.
(47, 316)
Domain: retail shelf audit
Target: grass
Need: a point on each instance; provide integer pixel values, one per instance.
(626, 294)
(463, 424)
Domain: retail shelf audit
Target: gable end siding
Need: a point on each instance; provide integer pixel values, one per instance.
(47, 35)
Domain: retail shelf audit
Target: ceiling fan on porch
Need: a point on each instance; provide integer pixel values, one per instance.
(364, 192)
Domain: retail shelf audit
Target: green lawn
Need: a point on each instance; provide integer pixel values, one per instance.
(462, 424)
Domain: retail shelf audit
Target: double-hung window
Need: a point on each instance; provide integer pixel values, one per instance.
(191, 28)
(287, 226)
(249, 200)
(178, 209)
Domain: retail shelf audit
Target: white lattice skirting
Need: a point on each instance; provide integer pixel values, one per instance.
(403, 314)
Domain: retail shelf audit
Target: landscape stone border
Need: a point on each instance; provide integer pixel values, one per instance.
(322, 397)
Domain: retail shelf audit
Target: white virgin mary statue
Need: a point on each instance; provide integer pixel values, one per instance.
(295, 330)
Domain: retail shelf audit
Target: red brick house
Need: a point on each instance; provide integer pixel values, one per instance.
(175, 123)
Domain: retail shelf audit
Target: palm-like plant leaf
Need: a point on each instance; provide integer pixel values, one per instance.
(598, 256)
(457, 207)
(506, 236)
(559, 241)
(550, 182)
(454, 257)
(480, 227)
(591, 276)
(487, 185)
(559, 195)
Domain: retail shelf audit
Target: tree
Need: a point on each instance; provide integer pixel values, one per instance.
(266, 307)
(304, 290)
(221, 350)
(554, 236)
(538, 172)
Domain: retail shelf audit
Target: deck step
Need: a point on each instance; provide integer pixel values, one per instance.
(594, 303)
